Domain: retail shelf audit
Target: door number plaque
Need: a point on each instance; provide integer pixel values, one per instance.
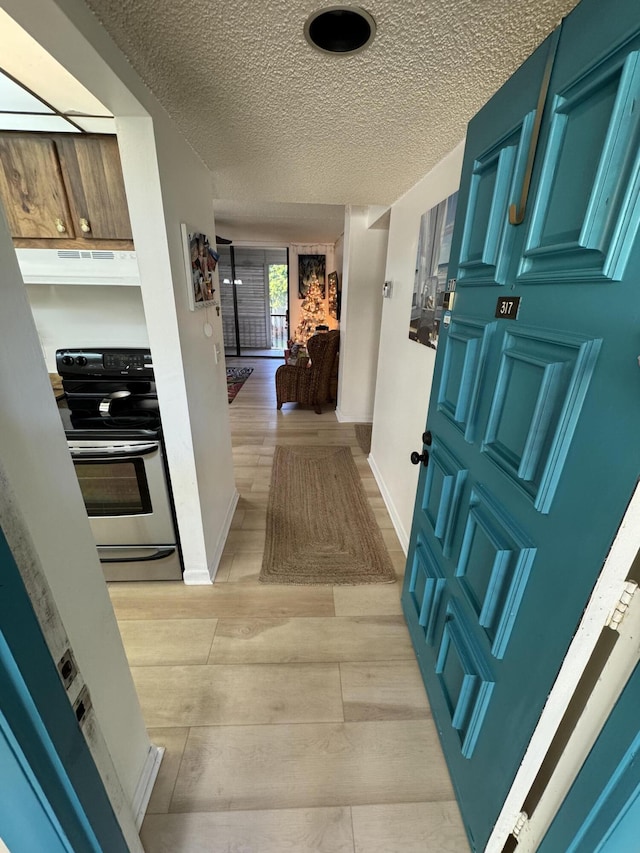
(507, 307)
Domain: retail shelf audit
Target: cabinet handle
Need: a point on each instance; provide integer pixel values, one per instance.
(84, 226)
(60, 226)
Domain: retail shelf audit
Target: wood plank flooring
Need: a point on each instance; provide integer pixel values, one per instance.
(294, 718)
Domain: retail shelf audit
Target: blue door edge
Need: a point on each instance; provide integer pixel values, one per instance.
(7, 733)
(603, 802)
(43, 723)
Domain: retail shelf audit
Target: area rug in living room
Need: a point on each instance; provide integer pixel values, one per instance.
(320, 527)
(236, 377)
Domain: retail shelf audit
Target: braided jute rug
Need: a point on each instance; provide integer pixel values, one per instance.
(320, 527)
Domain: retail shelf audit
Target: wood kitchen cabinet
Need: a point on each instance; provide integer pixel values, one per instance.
(93, 177)
(32, 189)
(68, 189)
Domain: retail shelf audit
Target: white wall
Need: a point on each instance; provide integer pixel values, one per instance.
(86, 315)
(41, 487)
(192, 388)
(405, 368)
(166, 184)
(362, 279)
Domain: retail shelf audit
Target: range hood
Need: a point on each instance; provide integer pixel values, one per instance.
(78, 266)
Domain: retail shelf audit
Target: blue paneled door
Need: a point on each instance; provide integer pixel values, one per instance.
(533, 422)
(601, 812)
(51, 795)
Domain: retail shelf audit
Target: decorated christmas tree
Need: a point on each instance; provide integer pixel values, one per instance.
(312, 311)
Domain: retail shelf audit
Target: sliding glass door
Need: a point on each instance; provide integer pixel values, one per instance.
(253, 298)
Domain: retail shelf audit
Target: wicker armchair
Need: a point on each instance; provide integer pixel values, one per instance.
(311, 384)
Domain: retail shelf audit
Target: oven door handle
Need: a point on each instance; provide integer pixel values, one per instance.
(116, 454)
(158, 554)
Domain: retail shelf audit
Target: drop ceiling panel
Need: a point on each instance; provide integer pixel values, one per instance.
(42, 123)
(29, 63)
(13, 98)
(92, 124)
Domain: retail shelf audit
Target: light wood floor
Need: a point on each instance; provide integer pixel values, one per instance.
(294, 718)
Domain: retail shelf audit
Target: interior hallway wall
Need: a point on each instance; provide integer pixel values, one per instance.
(76, 315)
(166, 185)
(43, 516)
(364, 252)
(405, 368)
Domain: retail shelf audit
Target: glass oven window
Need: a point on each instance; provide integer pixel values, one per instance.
(114, 488)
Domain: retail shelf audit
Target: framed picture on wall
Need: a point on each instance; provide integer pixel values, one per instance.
(200, 264)
(334, 296)
(311, 268)
(432, 262)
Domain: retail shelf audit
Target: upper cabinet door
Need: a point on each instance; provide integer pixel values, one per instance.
(93, 177)
(32, 189)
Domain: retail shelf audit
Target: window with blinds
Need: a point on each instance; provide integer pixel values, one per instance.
(256, 326)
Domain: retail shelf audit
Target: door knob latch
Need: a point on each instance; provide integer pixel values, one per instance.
(417, 458)
(427, 438)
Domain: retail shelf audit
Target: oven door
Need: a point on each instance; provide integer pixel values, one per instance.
(125, 493)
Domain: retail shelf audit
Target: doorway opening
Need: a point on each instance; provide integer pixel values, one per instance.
(254, 293)
(278, 277)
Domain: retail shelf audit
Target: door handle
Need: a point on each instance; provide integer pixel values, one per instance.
(156, 554)
(116, 453)
(517, 211)
(417, 458)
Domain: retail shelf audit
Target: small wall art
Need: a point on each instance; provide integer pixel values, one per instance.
(200, 263)
(334, 296)
(310, 268)
(432, 262)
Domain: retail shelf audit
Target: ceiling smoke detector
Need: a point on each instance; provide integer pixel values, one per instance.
(340, 29)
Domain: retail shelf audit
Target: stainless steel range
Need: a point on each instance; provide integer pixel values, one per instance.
(113, 429)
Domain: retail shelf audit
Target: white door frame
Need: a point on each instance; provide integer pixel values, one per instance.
(606, 594)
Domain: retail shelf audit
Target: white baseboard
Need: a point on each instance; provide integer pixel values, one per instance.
(199, 577)
(226, 527)
(351, 418)
(146, 782)
(401, 533)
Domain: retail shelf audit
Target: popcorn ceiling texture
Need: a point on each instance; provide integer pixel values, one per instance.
(276, 120)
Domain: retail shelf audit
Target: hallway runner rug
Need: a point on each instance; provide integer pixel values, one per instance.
(236, 377)
(320, 527)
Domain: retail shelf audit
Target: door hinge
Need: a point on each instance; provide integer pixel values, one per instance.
(67, 668)
(521, 822)
(614, 619)
(82, 706)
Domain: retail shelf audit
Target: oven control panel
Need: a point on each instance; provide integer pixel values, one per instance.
(104, 362)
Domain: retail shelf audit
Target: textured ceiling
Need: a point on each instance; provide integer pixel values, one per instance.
(277, 121)
(278, 223)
